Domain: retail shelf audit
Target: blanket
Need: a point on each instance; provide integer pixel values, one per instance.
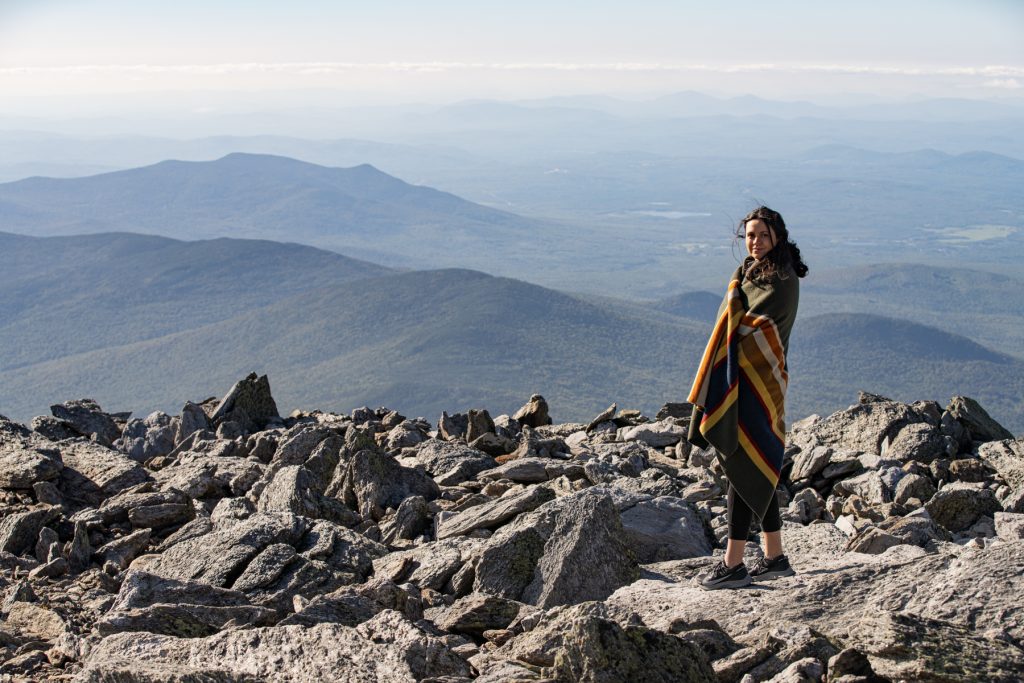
(740, 388)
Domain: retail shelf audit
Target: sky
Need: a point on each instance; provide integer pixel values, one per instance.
(56, 54)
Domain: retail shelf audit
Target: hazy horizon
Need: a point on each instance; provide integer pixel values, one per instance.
(67, 60)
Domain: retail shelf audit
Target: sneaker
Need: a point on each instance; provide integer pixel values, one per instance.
(722, 576)
(771, 569)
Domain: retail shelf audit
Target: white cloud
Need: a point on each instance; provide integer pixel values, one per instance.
(1000, 75)
(1004, 83)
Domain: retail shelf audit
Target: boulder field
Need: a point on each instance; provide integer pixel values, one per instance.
(227, 543)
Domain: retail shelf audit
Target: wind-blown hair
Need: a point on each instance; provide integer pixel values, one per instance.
(782, 256)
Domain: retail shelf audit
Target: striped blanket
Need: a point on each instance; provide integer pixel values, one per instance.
(740, 388)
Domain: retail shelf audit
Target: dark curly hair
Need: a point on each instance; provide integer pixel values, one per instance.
(783, 256)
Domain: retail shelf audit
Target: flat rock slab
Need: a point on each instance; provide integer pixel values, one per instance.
(494, 513)
(325, 652)
(219, 557)
(665, 528)
(1006, 458)
(26, 458)
(830, 594)
(93, 472)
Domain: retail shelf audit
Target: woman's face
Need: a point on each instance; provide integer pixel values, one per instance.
(759, 238)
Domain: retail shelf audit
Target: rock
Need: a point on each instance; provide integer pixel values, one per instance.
(479, 423)
(657, 434)
(873, 541)
(665, 528)
(531, 470)
(976, 420)
(285, 653)
(248, 403)
(153, 437)
(47, 545)
(849, 662)
(123, 550)
(1006, 458)
(862, 427)
(493, 444)
(410, 520)
(265, 568)
(36, 621)
(807, 506)
(80, 550)
(344, 606)
(57, 566)
(917, 528)
(1009, 526)
(193, 419)
(534, 413)
(842, 463)
(810, 462)
(160, 516)
(116, 508)
(913, 486)
(587, 643)
(431, 565)
(903, 646)
(203, 475)
(219, 557)
(918, 441)
(451, 427)
(425, 655)
(958, 505)
(452, 463)
(295, 489)
(87, 418)
(26, 459)
(806, 670)
(494, 513)
(569, 550)
(868, 486)
(20, 530)
(184, 620)
(375, 481)
(474, 614)
(403, 435)
(603, 416)
(93, 472)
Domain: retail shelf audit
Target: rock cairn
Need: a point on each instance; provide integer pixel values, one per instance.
(229, 544)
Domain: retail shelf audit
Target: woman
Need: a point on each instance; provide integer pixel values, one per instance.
(740, 389)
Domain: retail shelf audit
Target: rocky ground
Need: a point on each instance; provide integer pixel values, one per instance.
(229, 544)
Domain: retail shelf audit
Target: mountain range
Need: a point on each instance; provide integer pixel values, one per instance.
(141, 322)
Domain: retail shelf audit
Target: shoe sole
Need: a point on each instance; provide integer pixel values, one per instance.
(735, 583)
(771, 576)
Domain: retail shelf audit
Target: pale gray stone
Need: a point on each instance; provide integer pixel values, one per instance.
(976, 419)
(249, 403)
(1006, 458)
(665, 528)
(958, 505)
(19, 531)
(88, 419)
(93, 472)
(1009, 526)
(494, 513)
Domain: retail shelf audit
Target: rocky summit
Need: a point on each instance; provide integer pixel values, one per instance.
(227, 543)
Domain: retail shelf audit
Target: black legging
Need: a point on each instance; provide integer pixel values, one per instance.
(740, 516)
